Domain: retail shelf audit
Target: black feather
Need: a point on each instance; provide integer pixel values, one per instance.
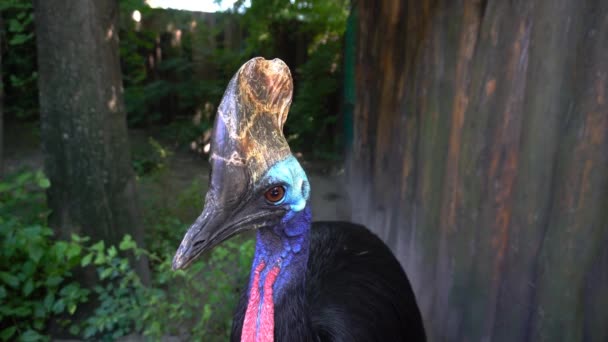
(355, 290)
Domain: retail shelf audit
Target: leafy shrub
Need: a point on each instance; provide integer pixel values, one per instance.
(199, 302)
(193, 303)
(19, 60)
(38, 283)
(36, 280)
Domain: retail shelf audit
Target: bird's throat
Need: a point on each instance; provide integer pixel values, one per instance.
(279, 262)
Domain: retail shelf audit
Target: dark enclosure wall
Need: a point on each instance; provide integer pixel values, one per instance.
(480, 155)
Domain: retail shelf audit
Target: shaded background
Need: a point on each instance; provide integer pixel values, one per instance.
(472, 136)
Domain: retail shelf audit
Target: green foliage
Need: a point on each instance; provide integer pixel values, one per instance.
(191, 76)
(120, 293)
(169, 89)
(22, 198)
(200, 301)
(38, 283)
(19, 59)
(182, 132)
(197, 302)
(36, 280)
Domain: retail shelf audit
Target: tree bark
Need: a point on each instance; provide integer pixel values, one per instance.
(480, 155)
(2, 43)
(83, 123)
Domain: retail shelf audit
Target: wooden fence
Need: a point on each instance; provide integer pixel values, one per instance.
(480, 155)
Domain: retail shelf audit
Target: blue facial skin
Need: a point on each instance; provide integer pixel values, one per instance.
(286, 245)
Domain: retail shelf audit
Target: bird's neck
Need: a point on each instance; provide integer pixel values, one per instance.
(279, 263)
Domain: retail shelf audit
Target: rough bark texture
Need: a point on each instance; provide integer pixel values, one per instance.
(84, 132)
(2, 44)
(480, 155)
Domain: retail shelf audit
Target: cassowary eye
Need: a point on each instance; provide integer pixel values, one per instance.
(275, 194)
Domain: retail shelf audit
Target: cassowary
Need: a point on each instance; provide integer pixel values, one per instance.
(323, 281)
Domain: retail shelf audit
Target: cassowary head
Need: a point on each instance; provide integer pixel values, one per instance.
(255, 181)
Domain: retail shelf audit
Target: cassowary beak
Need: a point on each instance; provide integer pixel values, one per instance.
(214, 226)
(199, 238)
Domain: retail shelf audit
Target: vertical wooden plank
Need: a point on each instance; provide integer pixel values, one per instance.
(447, 312)
(577, 223)
(469, 134)
(548, 89)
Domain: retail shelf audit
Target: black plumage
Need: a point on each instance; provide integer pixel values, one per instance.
(354, 290)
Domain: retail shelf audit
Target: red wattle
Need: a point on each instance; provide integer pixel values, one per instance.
(266, 333)
(249, 328)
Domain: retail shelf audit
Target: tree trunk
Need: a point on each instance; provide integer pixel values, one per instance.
(2, 43)
(83, 124)
(480, 154)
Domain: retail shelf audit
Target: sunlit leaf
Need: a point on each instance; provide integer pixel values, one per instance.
(127, 243)
(86, 260)
(112, 252)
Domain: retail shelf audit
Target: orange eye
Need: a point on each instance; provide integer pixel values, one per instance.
(275, 194)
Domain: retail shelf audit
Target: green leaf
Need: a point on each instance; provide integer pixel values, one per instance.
(44, 183)
(49, 300)
(9, 279)
(38, 324)
(89, 331)
(124, 265)
(7, 333)
(59, 306)
(39, 310)
(14, 25)
(127, 243)
(207, 311)
(112, 252)
(100, 258)
(99, 246)
(53, 280)
(28, 287)
(20, 38)
(31, 335)
(105, 273)
(86, 260)
(22, 311)
(73, 251)
(60, 248)
(74, 329)
(36, 253)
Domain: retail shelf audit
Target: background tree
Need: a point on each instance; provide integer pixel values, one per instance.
(2, 42)
(83, 126)
(481, 131)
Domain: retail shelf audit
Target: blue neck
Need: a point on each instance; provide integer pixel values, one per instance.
(287, 246)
